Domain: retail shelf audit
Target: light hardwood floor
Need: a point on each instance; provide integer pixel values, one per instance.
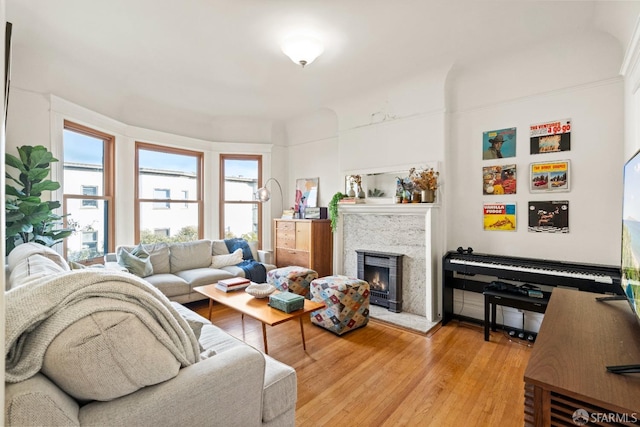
(381, 375)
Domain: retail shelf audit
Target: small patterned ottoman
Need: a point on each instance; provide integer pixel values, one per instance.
(346, 300)
(293, 279)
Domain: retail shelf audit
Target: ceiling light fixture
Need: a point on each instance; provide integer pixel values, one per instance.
(302, 50)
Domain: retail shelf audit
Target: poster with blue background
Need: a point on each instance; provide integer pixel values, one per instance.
(497, 144)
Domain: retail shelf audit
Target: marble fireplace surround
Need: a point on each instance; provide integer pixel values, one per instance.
(409, 229)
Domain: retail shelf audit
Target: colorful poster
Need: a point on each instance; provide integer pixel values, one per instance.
(549, 217)
(549, 176)
(550, 137)
(497, 144)
(499, 180)
(499, 216)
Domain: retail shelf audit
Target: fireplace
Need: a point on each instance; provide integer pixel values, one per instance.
(383, 271)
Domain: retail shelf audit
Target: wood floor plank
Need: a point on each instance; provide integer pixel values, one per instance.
(382, 375)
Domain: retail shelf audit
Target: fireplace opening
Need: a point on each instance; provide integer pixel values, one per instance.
(378, 278)
(383, 272)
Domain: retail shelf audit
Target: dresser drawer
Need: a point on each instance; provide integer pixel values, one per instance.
(286, 241)
(286, 257)
(283, 226)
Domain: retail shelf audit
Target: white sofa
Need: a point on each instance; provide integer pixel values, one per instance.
(77, 382)
(179, 267)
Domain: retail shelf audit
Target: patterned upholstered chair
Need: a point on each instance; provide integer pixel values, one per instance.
(346, 300)
(293, 279)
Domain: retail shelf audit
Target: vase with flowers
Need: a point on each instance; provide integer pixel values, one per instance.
(426, 180)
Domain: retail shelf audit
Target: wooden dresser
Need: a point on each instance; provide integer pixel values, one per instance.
(578, 339)
(304, 242)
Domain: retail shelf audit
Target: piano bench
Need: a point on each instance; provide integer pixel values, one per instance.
(492, 299)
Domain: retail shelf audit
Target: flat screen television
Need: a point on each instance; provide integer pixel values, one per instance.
(630, 263)
(630, 259)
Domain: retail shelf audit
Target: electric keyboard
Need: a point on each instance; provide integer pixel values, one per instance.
(602, 279)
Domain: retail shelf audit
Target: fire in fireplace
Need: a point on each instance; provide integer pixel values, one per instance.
(383, 271)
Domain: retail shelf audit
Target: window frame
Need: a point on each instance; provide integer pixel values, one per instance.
(108, 193)
(199, 155)
(222, 200)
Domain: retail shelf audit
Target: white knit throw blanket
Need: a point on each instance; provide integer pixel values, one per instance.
(37, 312)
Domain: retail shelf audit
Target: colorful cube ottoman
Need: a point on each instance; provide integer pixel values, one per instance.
(292, 279)
(346, 300)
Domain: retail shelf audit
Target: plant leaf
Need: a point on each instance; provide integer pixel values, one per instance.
(38, 188)
(37, 175)
(14, 162)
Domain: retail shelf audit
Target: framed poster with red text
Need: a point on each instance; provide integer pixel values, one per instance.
(550, 137)
(549, 176)
(499, 216)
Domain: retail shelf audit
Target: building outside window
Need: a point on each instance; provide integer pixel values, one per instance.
(169, 205)
(162, 232)
(88, 192)
(185, 196)
(90, 239)
(240, 212)
(161, 193)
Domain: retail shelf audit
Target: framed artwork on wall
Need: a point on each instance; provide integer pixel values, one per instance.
(550, 137)
(306, 193)
(497, 144)
(499, 180)
(549, 216)
(499, 216)
(549, 176)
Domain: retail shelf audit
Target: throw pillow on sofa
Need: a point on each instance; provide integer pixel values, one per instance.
(219, 261)
(190, 255)
(137, 261)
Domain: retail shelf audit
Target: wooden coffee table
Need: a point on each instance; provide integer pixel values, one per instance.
(257, 308)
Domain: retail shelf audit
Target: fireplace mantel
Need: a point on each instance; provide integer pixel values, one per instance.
(387, 208)
(411, 229)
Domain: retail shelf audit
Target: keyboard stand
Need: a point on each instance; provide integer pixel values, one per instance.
(492, 299)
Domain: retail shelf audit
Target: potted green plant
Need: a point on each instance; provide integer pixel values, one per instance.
(28, 218)
(333, 209)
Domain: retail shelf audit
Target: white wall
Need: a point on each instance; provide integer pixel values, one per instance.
(595, 175)
(631, 71)
(37, 119)
(541, 83)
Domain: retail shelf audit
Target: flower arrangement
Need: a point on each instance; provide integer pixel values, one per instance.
(425, 179)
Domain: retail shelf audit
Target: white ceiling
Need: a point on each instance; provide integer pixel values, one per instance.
(221, 58)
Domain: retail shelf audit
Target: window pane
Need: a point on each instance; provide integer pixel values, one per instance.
(241, 220)
(175, 224)
(83, 163)
(240, 179)
(91, 231)
(173, 174)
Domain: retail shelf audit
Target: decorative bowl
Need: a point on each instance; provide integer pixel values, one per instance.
(260, 290)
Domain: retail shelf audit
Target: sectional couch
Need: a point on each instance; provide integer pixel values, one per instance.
(103, 347)
(179, 267)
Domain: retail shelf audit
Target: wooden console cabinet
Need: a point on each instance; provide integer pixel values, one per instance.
(578, 339)
(304, 242)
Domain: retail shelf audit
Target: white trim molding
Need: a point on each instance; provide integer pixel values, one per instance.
(631, 63)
